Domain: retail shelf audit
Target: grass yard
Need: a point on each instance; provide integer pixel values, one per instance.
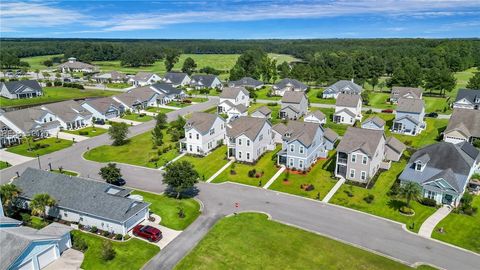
(137, 117)
(65, 172)
(159, 110)
(90, 131)
(36, 62)
(137, 151)
(167, 208)
(262, 93)
(383, 205)
(55, 94)
(268, 244)
(319, 177)
(178, 104)
(313, 98)
(461, 230)
(432, 104)
(40, 147)
(209, 165)
(4, 165)
(338, 128)
(462, 80)
(118, 85)
(197, 99)
(132, 254)
(266, 164)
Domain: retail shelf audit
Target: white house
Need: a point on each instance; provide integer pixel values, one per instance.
(286, 85)
(72, 65)
(70, 114)
(203, 132)
(86, 202)
(20, 89)
(409, 116)
(342, 87)
(205, 81)
(103, 108)
(348, 109)
(234, 101)
(176, 79)
(168, 91)
(144, 78)
(405, 92)
(315, 117)
(467, 99)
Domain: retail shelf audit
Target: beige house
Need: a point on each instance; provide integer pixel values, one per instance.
(464, 125)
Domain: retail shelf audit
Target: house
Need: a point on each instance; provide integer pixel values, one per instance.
(246, 82)
(374, 122)
(72, 65)
(362, 152)
(28, 248)
(463, 126)
(86, 202)
(294, 105)
(144, 78)
(248, 138)
(262, 112)
(70, 114)
(203, 132)
(348, 109)
(409, 116)
(20, 89)
(110, 77)
(442, 170)
(330, 138)
(103, 108)
(236, 95)
(139, 98)
(176, 79)
(394, 149)
(169, 92)
(205, 81)
(315, 117)
(405, 92)
(467, 99)
(342, 87)
(287, 85)
(303, 143)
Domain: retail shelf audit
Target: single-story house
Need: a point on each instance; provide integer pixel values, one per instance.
(342, 87)
(139, 98)
(103, 108)
(176, 79)
(168, 91)
(70, 114)
(72, 65)
(205, 81)
(405, 92)
(467, 99)
(463, 126)
(144, 78)
(246, 82)
(20, 89)
(110, 77)
(286, 85)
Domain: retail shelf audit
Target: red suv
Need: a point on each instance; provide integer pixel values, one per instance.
(147, 232)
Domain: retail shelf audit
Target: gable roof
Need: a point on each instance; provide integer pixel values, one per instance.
(175, 77)
(166, 89)
(142, 76)
(246, 82)
(468, 94)
(80, 194)
(201, 121)
(136, 95)
(401, 92)
(293, 97)
(317, 114)
(287, 82)
(376, 120)
(345, 110)
(395, 144)
(203, 80)
(19, 87)
(466, 121)
(348, 100)
(304, 132)
(67, 110)
(344, 85)
(233, 92)
(366, 140)
(25, 119)
(76, 65)
(113, 75)
(103, 104)
(412, 105)
(330, 135)
(246, 125)
(263, 110)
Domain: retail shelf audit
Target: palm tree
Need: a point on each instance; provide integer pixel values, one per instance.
(9, 192)
(40, 202)
(409, 191)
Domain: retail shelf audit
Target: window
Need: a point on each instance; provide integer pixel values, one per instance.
(261, 137)
(198, 136)
(354, 158)
(291, 162)
(198, 149)
(248, 155)
(431, 194)
(190, 135)
(81, 218)
(292, 148)
(352, 173)
(212, 131)
(239, 141)
(51, 119)
(191, 148)
(363, 175)
(301, 149)
(248, 142)
(65, 214)
(44, 120)
(239, 154)
(418, 166)
(300, 164)
(221, 127)
(364, 160)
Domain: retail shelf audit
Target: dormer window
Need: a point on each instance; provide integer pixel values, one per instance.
(418, 166)
(477, 100)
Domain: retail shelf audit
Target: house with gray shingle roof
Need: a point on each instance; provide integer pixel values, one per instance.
(110, 77)
(342, 87)
(405, 92)
(234, 101)
(86, 202)
(294, 105)
(246, 82)
(262, 112)
(330, 138)
(348, 109)
(70, 114)
(248, 138)
(442, 170)
(409, 116)
(20, 89)
(288, 85)
(203, 133)
(205, 81)
(374, 122)
(315, 117)
(176, 79)
(168, 91)
(463, 126)
(139, 98)
(72, 65)
(467, 99)
(144, 78)
(103, 108)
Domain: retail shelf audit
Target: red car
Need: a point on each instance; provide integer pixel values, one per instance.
(387, 111)
(147, 232)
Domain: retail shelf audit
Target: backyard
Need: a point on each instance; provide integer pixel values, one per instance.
(40, 147)
(88, 131)
(210, 164)
(338, 128)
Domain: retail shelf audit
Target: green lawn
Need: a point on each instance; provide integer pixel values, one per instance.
(178, 104)
(383, 205)
(262, 93)
(461, 230)
(132, 254)
(320, 177)
(432, 104)
(197, 99)
(266, 164)
(251, 241)
(4, 164)
(36, 62)
(137, 117)
(92, 131)
(159, 110)
(118, 85)
(138, 151)
(65, 172)
(209, 165)
(55, 94)
(313, 98)
(48, 146)
(462, 80)
(167, 208)
(338, 128)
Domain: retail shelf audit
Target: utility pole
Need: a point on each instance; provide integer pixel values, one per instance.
(39, 165)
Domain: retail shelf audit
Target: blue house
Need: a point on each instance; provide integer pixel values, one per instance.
(409, 116)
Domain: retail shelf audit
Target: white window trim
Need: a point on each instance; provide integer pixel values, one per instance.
(352, 171)
(353, 158)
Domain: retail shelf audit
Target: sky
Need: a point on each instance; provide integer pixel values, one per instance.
(235, 19)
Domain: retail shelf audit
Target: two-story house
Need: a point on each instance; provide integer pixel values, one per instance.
(234, 102)
(463, 126)
(348, 109)
(294, 105)
(144, 78)
(248, 138)
(205, 81)
(409, 116)
(374, 122)
(442, 170)
(302, 144)
(405, 92)
(176, 79)
(467, 99)
(20, 89)
(288, 85)
(342, 87)
(203, 132)
(246, 82)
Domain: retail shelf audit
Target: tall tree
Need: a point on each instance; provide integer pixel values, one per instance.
(440, 80)
(189, 66)
(250, 64)
(409, 73)
(40, 202)
(157, 136)
(9, 193)
(283, 70)
(110, 173)
(161, 120)
(474, 82)
(176, 129)
(118, 133)
(410, 191)
(180, 176)
(171, 58)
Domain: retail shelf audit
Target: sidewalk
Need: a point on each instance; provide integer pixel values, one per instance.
(69, 136)
(12, 158)
(274, 177)
(332, 192)
(173, 160)
(431, 222)
(220, 171)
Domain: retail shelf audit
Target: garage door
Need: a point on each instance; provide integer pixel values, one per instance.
(46, 257)
(26, 266)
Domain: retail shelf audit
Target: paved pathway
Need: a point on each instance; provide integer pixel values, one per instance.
(169, 107)
(129, 122)
(333, 190)
(69, 136)
(274, 177)
(220, 171)
(173, 160)
(12, 158)
(431, 222)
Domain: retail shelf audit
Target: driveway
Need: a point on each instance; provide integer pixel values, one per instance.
(69, 136)
(13, 159)
(70, 259)
(168, 235)
(129, 122)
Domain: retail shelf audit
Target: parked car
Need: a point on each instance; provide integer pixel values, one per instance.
(147, 232)
(99, 122)
(119, 182)
(387, 111)
(432, 115)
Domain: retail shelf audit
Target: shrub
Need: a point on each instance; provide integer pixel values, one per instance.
(188, 101)
(428, 202)
(319, 94)
(469, 210)
(142, 115)
(154, 159)
(108, 253)
(272, 104)
(406, 210)
(26, 218)
(349, 193)
(78, 243)
(118, 236)
(105, 233)
(252, 173)
(84, 133)
(310, 187)
(369, 198)
(94, 229)
(49, 84)
(57, 83)
(369, 111)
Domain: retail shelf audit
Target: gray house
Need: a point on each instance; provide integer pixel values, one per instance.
(288, 85)
(110, 77)
(262, 112)
(20, 89)
(463, 126)
(103, 108)
(176, 78)
(303, 143)
(294, 105)
(442, 170)
(246, 82)
(409, 116)
(374, 122)
(168, 91)
(405, 92)
(342, 87)
(467, 99)
(205, 81)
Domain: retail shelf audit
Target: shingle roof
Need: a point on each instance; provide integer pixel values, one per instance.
(142, 76)
(344, 85)
(201, 121)
(167, 89)
(347, 100)
(412, 105)
(113, 75)
(290, 83)
(293, 97)
(401, 92)
(317, 114)
(134, 96)
(249, 126)
(376, 120)
(233, 92)
(241, 107)
(395, 144)
(67, 110)
(203, 80)
(103, 104)
(79, 194)
(246, 82)
(19, 87)
(345, 110)
(304, 132)
(76, 65)
(468, 94)
(330, 135)
(174, 77)
(264, 110)
(25, 119)
(366, 140)
(466, 121)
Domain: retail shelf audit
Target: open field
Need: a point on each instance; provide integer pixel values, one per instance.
(210, 164)
(46, 146)
(91, 131)
(36, 62)
(268, 244)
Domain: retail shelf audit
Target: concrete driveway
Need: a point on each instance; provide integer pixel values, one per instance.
(12, 158)
(70, 259)
(168, 235)
(69, 136)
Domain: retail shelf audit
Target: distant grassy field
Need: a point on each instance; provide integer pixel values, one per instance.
(36, 62)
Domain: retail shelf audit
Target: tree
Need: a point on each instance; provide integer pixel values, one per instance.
(409, 191)
(283, 70)
(189, 66)
(9, 193)
(161, 119)
(110, 173)
(440, 80)
(48, 63)
(171, 58)
(180, 176)
(249, 64)
(157, 136)
(409, 73)
(118, 133)
(176, 129)
(474, 82)
(108, 253)
(40, 202)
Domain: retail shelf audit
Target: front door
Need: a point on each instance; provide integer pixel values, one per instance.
(447, 199)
